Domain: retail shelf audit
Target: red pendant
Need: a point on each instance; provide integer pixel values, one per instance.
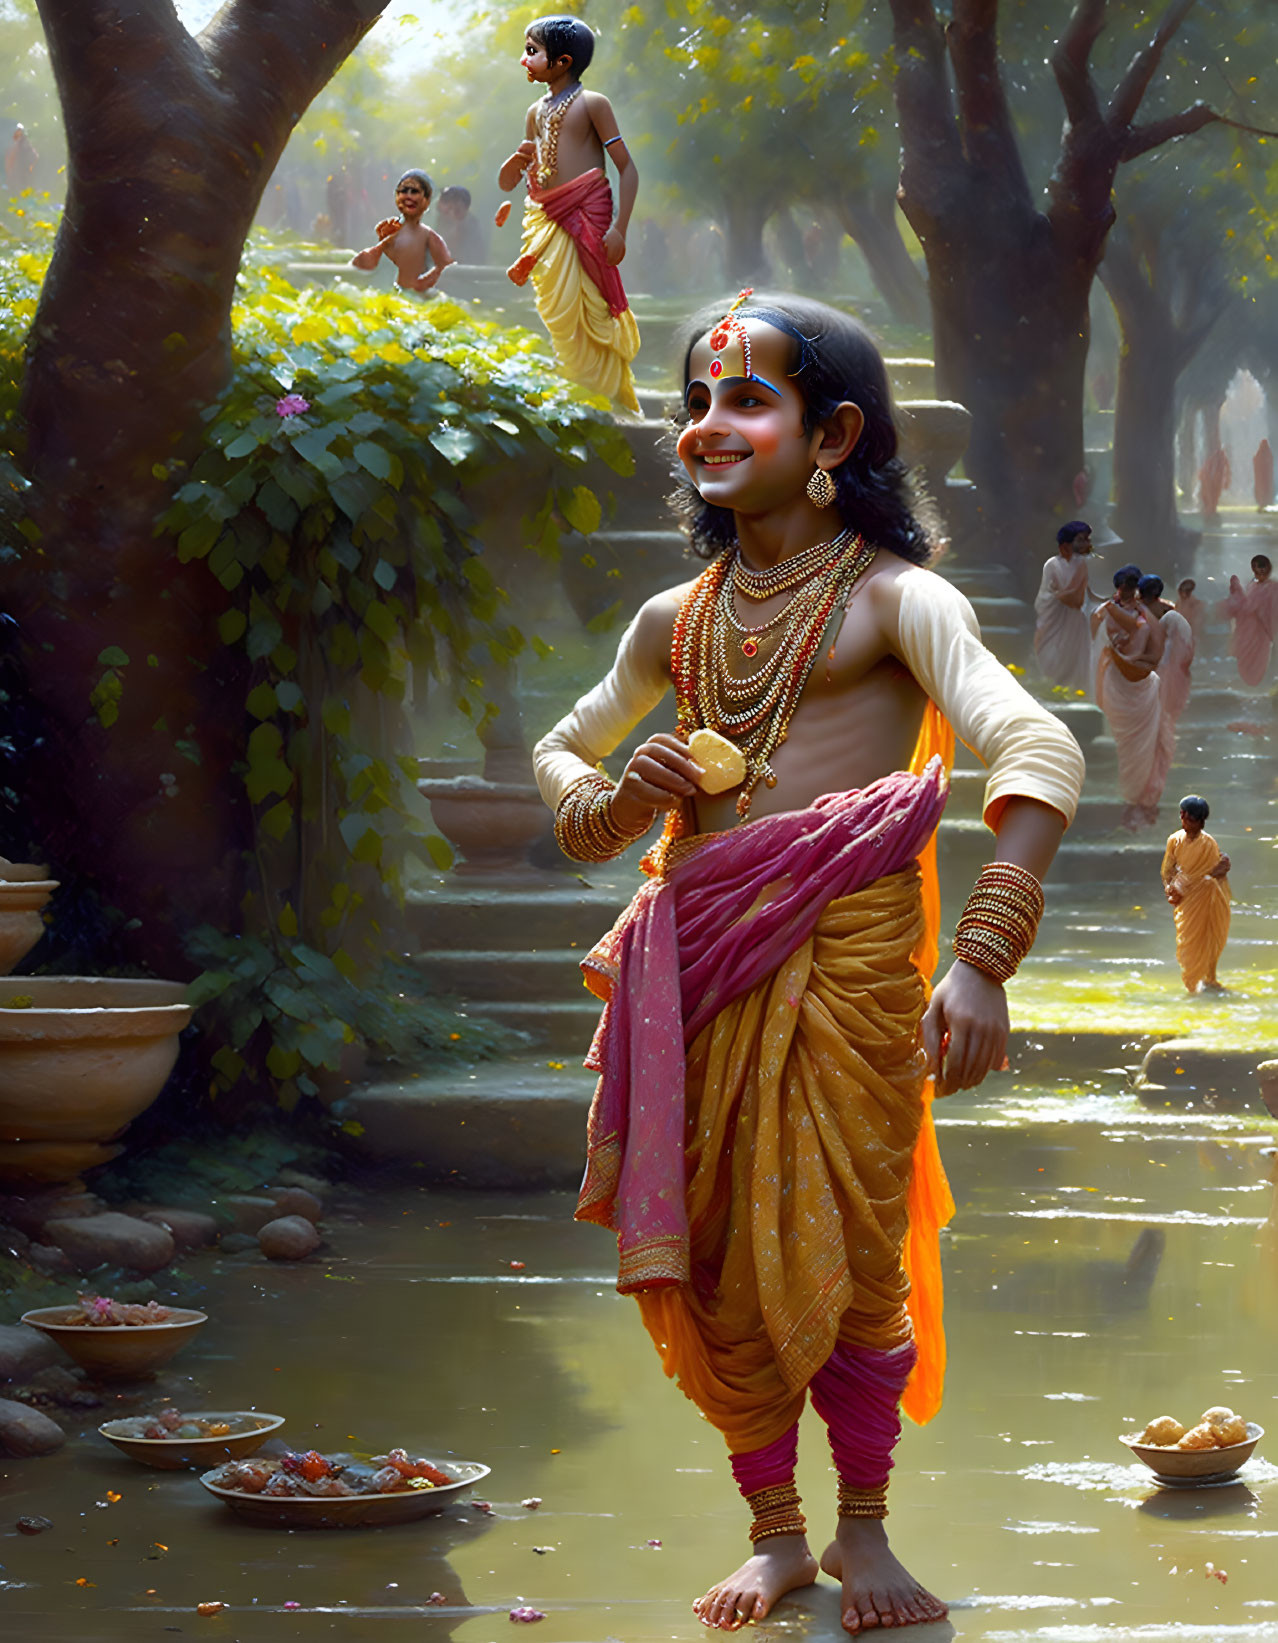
(749, 647)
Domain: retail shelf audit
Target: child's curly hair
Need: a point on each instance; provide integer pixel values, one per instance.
(834, 359)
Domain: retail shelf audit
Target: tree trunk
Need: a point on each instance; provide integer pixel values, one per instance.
(171, 141)
(1010, 329)
(745, 261)
(869, 216)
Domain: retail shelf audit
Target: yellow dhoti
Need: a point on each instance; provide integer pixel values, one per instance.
(593, 331)
(804, 1106)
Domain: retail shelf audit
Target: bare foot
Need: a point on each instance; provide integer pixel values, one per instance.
(877, 1590)
(782, 1564)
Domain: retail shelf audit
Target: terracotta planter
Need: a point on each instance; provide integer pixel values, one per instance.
(76, 1066)
(21, 902)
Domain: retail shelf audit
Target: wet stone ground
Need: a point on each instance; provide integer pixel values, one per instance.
(1106, 1265)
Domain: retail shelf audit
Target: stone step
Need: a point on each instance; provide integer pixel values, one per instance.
(517, 975)
(555, 1027)
(521, 1122)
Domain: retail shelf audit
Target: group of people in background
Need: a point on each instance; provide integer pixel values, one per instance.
(1133, 652)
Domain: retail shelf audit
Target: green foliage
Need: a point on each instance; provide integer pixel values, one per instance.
(332, 510)
(332, 504)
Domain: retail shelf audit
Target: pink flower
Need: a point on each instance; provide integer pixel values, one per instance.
(526, 1614)
(292, 1604)
(291, 405)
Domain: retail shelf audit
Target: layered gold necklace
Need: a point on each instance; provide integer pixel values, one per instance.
(550, 117)
(754, 709)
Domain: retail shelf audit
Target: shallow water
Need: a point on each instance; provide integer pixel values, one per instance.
(1017, 1503)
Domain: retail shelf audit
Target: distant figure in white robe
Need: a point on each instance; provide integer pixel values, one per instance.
(1062, 639)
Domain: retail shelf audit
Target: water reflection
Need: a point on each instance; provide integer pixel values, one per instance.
(1080, 1305)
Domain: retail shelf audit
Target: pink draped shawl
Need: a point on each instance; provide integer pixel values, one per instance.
(723, 918)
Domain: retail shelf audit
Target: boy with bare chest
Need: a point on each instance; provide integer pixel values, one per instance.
(775, 1187)
(571, 243)
(407, 241)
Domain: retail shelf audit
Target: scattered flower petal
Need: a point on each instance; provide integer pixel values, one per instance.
(532, 1503)
(291, 405)
(518, 1266)
(527, 1614)
(654, 1543)
(292, 1604)
(437, 1598)
(482, 1505)
(206, 1609)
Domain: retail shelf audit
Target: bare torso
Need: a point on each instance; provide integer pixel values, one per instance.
(413, 246)
(580, 145)
(860, 712)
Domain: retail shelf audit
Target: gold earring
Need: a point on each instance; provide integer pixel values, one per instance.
(820, 488)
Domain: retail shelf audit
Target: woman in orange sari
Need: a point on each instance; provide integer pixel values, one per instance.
(1195, 882)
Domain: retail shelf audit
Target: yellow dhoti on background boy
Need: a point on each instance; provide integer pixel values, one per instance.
(579, 294)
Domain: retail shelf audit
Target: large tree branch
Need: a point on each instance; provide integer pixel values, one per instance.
(932, 159)
(99, 54)
(1140, 139)
(989, 135)
(1131, 89)
(1071, 62)
(275, 56)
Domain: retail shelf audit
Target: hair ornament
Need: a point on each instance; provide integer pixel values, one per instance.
(731, 329)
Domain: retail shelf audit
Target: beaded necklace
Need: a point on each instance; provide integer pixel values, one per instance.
(753, 710)
(788, 573)
(550, 117)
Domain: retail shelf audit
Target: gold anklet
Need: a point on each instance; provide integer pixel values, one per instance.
(776, 1511)
(862, 1502)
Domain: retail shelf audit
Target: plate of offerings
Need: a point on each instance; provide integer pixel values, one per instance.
(175, 1438)
(117, 1340)
(314, 1491)
(1214, 1448)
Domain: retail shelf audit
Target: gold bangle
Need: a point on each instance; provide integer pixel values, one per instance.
(584, 825)
(999, 922)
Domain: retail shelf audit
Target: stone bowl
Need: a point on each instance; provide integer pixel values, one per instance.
(173, 1454)
(78, 1064)
(21, 921)
(351, 1511)
(1197, 1465)
(117, 1351)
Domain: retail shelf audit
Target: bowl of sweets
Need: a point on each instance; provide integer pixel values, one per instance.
(315, 1491)
(117, 1340)
(175, 1438)
(1214, 1448)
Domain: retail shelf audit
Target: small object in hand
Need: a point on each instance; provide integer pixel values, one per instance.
(503, 212)
(722, 761)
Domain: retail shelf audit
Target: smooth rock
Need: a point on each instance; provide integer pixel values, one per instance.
(112, 1240)
(190, 1229)
(300, 1178)
(291, 1238)
(24, 1352)
(31, 1211)
(247, 1212)
(25, 1431)
(297, 1201)
(45, 1258)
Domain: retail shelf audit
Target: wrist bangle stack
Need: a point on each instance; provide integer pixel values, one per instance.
(776, 1511)
(998, 925)
(584, 828)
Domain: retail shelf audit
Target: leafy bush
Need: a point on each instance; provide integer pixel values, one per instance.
(333, 506)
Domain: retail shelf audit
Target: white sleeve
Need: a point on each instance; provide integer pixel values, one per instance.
(601, 719)
(1028, 751)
